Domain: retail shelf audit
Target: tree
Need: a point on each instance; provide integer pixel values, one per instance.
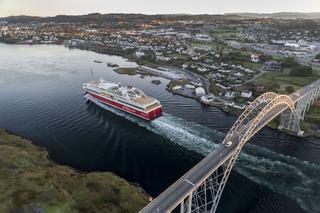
(290, 62)
(290, 89)
(264, 58)
(301, 71)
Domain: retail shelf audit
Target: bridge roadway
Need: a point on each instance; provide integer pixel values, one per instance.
(177, 192)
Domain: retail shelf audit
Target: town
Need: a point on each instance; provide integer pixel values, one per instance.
(225, 61)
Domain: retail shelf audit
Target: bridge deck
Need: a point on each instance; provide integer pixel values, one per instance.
(178, 191)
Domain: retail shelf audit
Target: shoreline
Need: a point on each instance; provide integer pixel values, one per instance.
(116, 52)
(70, 190)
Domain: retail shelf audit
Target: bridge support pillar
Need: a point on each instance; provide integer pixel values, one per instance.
(189, 203)
(182, 207)
(290, 121)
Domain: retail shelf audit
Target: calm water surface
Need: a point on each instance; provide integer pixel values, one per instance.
(41, 99)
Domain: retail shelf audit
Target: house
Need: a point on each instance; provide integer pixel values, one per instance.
(139, 54)
(246, 94)
(188, 86)
(202, 69)
(254, 58)
(230, 95)
(196, 83)
(176, 88)
(184, 66)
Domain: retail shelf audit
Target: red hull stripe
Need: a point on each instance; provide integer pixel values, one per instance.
(148, 116)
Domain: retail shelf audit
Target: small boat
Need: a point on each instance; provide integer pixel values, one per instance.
(97, 61)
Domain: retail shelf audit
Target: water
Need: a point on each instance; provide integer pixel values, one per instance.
(41, 99)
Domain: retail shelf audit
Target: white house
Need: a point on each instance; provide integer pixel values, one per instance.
(230, 95)
(140, 54)
(188, 86)
(184, 66)
(254, 58)
(246, 94)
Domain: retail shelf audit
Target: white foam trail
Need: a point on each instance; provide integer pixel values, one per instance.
(188, 134)
(297, 179)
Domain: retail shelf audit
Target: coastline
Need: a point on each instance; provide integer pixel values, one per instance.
(134, 71)
(30, 179)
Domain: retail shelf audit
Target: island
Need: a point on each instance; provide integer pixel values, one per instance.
(30, 180)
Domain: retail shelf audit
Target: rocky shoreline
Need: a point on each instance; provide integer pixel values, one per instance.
(30, 180)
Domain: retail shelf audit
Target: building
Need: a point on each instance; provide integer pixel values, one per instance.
(273, 66)
(246, 94)
(230, 95)
(140, 54)
(254, 58)
(200, 92)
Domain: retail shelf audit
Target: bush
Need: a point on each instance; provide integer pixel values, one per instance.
(290, 62)
(264, 58)
(235, 57)
(301, 71)
(290, 89)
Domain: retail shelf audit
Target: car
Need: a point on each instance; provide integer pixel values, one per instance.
(228, 143)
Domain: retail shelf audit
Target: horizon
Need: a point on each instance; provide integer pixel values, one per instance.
(188, 14)
(208, 7)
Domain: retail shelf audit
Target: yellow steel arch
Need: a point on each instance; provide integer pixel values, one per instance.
(249, 129)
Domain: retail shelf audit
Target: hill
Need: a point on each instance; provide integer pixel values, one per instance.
(29, 180)
(282, 15)
(114, 17)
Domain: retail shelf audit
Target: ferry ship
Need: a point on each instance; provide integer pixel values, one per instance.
(125, 98)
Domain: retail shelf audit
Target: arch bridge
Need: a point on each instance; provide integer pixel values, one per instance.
(200, 189)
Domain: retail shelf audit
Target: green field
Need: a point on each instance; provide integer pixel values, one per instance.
(284, 80)
(225, 34)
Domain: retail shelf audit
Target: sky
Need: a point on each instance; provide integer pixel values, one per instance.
(77, 7)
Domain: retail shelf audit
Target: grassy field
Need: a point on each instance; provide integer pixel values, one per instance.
(313, 115)
(284, 80)
(225, 34)
(28, 177)
(214, 45)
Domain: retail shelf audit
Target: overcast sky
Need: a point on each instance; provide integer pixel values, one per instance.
(73, 7)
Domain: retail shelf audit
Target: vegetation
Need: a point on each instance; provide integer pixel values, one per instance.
(157, 82)
(214, 89)
(313, 115)
(301, 71)
(127, 71)
(278, 82)
(290, 62)
(289, 89)
(28, 177)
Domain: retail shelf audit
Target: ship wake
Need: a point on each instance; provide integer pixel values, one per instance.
(299, 180)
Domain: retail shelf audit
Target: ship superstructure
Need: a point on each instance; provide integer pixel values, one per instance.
(126, 98)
